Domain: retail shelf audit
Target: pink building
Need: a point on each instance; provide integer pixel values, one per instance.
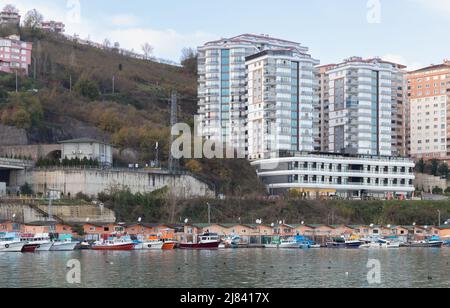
(53, 26)
(14, 54)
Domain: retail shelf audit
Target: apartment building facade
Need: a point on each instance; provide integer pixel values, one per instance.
(9, 16)
(223, 84)
(53, 26)
(15, 55)
(429, 95)
(365, 98)
(281, 98)
(323, 108)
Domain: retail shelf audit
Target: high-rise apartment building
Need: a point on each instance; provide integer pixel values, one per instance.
(223, 85)
(365, 96)
(429, 96)
(281, 93)
(323, 108)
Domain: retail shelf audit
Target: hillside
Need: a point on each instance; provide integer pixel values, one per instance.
(69, 94)
(134, 116)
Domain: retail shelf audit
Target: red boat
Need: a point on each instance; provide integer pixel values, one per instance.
(206, 241)
(114, 245)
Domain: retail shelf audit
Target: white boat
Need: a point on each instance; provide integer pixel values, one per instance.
(315, 246)
(150, 245)
(40, 242)
(381, 244)
(9, 242)
(289, 244)
(64, 243)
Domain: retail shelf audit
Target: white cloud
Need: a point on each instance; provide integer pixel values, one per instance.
(411, 66)
(124, 20)
(440, 6)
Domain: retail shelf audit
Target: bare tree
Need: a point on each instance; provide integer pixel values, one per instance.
(33, 19)
(148, 50)
(107, 43)
(10, 9)
(189, 60)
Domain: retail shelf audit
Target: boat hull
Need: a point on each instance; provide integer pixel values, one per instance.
(64, 246)
(151, 246)
(122, 247)
(200, 246)
(169, 246)
(29, 248)
(336, 245)
(12, 247)
(427, 245)
(44, 247)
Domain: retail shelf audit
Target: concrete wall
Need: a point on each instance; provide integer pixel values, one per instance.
(92, 182)
(101, 152)
(26, 213)
(2, 189)
(33, 151)
(425, 182)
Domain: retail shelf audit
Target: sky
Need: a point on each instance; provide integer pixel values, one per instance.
(410, 32)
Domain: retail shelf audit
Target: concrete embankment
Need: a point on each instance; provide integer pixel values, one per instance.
(31, 211)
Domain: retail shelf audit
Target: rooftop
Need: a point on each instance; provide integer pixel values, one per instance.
(83, 140)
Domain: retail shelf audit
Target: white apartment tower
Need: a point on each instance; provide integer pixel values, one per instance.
(365, 96)
(223, 85)
(281, 98)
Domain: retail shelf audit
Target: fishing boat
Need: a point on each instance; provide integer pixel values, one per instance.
(64, 243)
(36, 242)
(337, 243)
(114, 244)
(205, 241)
(434, 242)
(9, 242)
(169, 245)
(381, 244)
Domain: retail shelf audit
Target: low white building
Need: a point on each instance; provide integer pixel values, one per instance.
(87, 148)
(318, 175)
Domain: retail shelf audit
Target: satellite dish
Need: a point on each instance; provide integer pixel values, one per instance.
(303, 222)
(426, 227)
(139, 219)
(414, 224)
(280, 222)
(87, 219)
(186, 221)
(389, 226)
(14, 215)
(273, 225)
(372, 225)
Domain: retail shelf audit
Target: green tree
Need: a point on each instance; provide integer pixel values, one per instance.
(443, 170)
(189, 58)
(87, 88)
(434, 167)
(420, 166)
(22, 118)
(26, 189)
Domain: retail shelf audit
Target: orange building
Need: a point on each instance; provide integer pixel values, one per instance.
(429, 96)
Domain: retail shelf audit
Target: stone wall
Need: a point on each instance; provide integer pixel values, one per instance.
(425, 182)
(34, 151)
(12, 136)
(94, 181)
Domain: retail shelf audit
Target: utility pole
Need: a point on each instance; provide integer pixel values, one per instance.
(209, 213)
(173, 163)
(439, 222)
(113, 84)
(17, 82)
